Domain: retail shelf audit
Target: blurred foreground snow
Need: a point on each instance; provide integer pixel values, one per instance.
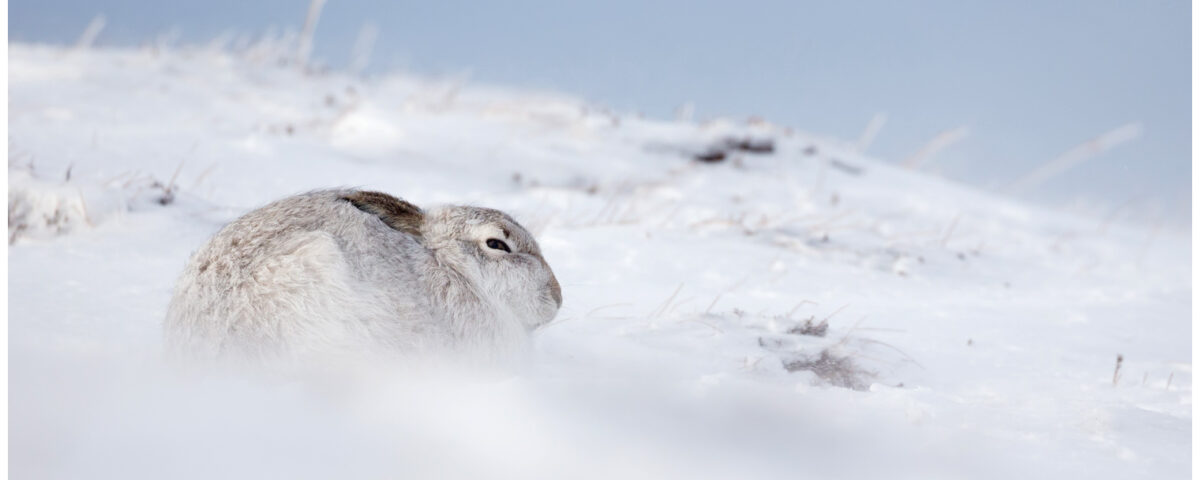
(968, 336)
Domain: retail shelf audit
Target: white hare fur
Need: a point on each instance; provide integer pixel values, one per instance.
(348, 271)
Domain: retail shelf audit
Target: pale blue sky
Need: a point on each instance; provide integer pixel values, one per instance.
(1030, 79)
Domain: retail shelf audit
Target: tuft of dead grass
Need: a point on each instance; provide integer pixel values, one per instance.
(837, 370)
(810, 328)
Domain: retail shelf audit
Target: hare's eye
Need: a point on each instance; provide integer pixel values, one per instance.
(495, 244)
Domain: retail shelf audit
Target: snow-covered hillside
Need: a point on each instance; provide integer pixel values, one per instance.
(792, 310)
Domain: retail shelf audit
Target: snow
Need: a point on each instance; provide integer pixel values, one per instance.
(979, 335)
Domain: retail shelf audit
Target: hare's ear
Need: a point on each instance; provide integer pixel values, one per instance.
(396, 213)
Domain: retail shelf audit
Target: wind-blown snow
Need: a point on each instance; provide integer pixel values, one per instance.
(968, 336)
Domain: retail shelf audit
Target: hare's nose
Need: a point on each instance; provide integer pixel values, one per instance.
(555, 291)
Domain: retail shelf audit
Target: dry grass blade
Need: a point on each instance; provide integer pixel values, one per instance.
(663, 308)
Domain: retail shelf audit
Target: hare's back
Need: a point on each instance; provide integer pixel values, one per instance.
(282, 277)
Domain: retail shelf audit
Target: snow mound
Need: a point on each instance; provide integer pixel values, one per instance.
(41, 210)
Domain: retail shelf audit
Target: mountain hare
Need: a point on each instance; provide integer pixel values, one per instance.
(346, 271)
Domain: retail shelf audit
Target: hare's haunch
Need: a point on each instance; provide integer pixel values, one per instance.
(347, 270)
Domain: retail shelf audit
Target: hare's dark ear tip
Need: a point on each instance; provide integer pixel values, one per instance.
(394, 212)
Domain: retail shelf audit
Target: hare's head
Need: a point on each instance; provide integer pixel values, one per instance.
(498, 256)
